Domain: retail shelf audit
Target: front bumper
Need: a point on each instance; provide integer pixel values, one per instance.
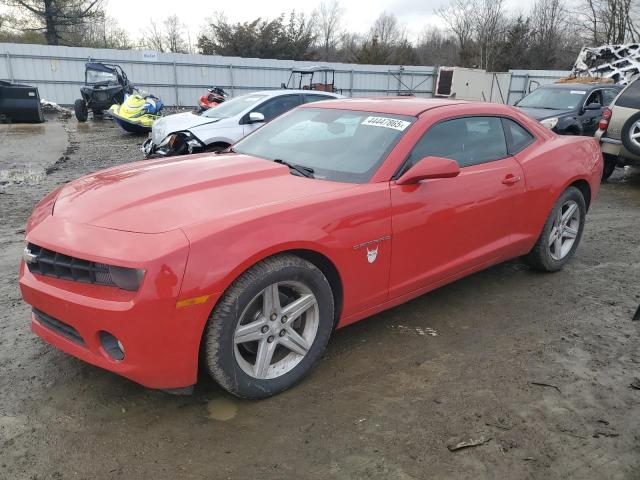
(161, 342)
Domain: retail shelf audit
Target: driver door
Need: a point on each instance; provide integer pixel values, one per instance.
(590, 118)
(444, 227)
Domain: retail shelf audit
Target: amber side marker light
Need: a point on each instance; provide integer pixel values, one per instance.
(192, 301)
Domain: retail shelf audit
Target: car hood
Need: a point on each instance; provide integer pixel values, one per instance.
(542, 113)
(156, 196)
(178, 122)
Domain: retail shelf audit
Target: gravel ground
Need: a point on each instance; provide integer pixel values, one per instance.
(537, 365)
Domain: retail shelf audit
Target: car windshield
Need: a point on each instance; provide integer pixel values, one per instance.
(338, 145)
(98, 76)
(553, 98)
(234, 106)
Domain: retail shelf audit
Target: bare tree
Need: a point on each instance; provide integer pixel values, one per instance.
(435, 47)
(609, 21)
(174, 35)
(459, 17)
(101, 32)
(53, 17)
(327, 22)
(548, 25)
(489, 26)
(388, 30)
(153, 38)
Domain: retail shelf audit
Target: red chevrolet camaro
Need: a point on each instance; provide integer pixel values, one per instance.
(245, 262)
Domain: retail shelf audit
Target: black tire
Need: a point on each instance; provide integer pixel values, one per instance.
(81, 110)
(625, 134)
(610, 162)
(218, 343)
(540, 258)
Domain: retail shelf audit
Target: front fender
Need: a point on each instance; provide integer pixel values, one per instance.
(333, 225)
(569, 124)
(214, 264)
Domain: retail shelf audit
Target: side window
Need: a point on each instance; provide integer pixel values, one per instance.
(277, 106)
(630, 96)
(468, 141)
(517, 136)
(594, 97)
(608, 96)
(317, 98)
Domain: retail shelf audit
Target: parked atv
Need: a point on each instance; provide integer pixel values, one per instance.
(104, 85)
(214, 98)
(137, 113)
(303, 79)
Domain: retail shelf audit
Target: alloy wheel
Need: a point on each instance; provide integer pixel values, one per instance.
(564, 231)
(276, 330)
(634, 134)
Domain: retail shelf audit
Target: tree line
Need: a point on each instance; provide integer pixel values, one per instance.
(473, 33)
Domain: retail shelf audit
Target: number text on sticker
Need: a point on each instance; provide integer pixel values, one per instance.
(386, 123)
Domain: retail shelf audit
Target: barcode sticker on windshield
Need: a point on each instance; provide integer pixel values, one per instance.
(386, 123)
(578, 92)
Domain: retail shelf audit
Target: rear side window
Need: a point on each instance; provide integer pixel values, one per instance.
(630, 97)
(517, 136)
(608, 95)
(277, 106)
(468, 141)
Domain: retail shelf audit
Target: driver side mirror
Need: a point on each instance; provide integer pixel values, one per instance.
(429, 167)
(256, 117)
(593, 106)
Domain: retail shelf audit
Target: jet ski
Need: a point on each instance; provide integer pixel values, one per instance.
(137, 113)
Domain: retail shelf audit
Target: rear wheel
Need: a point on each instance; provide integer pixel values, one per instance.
(270, 327)
(561, 233)
(630, 134)
(610, 162)
(81, 110)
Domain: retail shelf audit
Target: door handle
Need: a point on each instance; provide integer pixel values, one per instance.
(511, 179)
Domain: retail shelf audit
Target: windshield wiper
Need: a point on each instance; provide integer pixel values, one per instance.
(304, 171)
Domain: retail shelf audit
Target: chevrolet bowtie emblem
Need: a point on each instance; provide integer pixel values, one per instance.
(29, 257)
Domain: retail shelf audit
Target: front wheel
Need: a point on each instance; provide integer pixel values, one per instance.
(81, 110)
(561, 233)
(270, 327)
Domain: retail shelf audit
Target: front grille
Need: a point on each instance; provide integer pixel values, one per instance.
(54, 264)
(57, 326)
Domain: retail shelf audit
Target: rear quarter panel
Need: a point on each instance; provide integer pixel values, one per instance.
(619, 116)
(550, 166)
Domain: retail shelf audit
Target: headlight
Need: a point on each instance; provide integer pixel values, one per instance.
(126, 278)
(550, 123)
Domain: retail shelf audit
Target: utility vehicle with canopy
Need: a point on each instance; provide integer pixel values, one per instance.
(104, 85)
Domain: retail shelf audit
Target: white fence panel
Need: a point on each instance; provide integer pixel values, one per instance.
(180, 79)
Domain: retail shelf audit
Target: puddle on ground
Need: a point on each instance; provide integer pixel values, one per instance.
(18, 176)
(222, 409)
(422, 331)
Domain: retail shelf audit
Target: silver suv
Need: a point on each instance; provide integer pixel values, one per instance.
(619, 130)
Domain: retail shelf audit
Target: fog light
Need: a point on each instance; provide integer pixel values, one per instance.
(112, 346)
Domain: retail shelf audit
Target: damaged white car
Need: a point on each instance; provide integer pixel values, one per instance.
(220, 127)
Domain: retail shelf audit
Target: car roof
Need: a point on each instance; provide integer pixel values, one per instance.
(287, 91)
(412, 106)
(581, 86)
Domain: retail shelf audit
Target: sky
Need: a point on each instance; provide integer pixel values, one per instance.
(358, 15)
